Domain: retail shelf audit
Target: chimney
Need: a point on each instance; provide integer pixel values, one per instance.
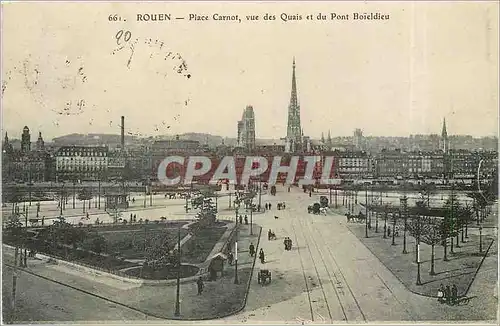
(123, 133)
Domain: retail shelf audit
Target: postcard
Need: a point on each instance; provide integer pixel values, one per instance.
(250, 162)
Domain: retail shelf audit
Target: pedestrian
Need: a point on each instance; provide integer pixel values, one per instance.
(441, 292)
(388, 231)
(261, 256)
(447, 294)
(270, 206)
(454, 294)
(285, 242)
(246, 220)
(200, 285)
(251, 249)
(284, 206)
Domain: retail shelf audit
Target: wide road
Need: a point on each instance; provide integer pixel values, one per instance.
(329, 276)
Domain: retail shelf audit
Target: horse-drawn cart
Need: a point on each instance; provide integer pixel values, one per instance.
(264, 277)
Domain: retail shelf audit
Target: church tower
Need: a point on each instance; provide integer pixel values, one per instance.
(444, 138)
(40, 144)
(26, 140)
(294, 129)
(7, 146)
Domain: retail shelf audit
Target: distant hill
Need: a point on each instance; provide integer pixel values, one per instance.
(92, 139)
(114, 140)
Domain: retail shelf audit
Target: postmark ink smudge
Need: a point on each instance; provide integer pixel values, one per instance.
(123, 40)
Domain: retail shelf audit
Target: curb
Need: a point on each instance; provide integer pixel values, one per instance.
(86, 292)
(478, 267)
(251, 274)
(244, 301)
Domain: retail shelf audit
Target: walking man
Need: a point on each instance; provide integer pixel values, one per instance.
(441, 293)
(261, 256)
(251, 249)
(200, 285)
(454, 294)
(447, 294)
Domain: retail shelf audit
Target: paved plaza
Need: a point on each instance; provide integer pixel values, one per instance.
(329, 276)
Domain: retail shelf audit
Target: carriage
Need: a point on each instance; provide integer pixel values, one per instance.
(314, 208)
(264, 277)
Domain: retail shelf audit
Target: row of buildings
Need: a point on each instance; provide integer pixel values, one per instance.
(104, 163)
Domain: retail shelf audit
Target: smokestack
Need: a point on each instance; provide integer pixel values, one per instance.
(123, 133)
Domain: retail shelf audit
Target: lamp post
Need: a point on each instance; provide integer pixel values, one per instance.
(236, 281)
(480, 239)
(177, 296)
(366, 211)
(251, 218)
(419, 282)
(385, 222)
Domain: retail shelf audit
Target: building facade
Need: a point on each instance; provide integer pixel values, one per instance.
(81, 163)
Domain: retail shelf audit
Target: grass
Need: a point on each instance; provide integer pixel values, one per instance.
(197, 249)
(130, 243)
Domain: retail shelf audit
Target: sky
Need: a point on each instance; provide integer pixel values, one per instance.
(63, 70)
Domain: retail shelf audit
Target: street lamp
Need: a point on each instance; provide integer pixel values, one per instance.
(236, 281)
(480, 239)
(366, 211)
(177, 296)
(419, 282)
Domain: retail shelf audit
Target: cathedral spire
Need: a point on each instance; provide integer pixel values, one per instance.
(444, 138)
(443, 132)
(294, 129)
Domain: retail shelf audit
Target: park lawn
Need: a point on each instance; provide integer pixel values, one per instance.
(199, 246)
(130, 243)
(136, 225)
(86, 258)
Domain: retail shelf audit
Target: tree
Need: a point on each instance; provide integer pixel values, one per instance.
(431, 235)
(448, 224)
(158, 251)
(417, 224)
(14, 229)
(465, 216)
(426, 190)
(83, 195)
(98, 244)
